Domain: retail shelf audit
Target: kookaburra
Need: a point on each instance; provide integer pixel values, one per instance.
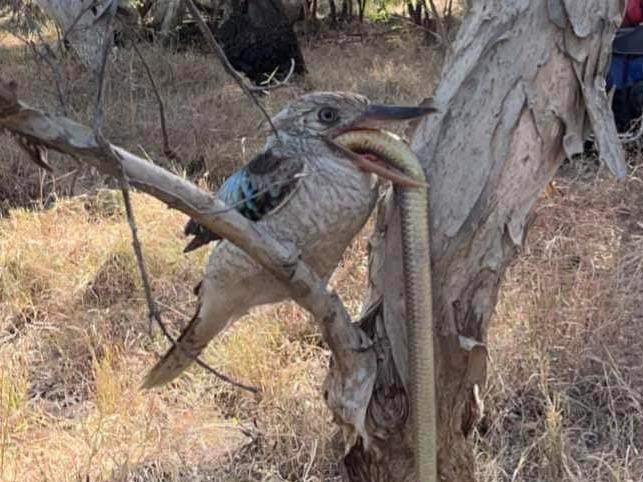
(303, 191)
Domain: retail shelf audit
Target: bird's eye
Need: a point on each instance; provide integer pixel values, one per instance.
(328, 115)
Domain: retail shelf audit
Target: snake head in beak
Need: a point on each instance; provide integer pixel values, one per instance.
(371, 118)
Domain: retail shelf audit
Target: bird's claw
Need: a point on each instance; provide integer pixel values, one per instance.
(363, 342)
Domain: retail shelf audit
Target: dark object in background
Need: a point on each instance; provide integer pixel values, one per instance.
(256, 36)
(625, 76)
(627, 106)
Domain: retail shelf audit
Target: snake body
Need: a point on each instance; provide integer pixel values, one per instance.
(414, 205)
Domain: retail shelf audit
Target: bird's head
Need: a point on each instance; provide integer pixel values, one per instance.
(313, 119)
(329, 114)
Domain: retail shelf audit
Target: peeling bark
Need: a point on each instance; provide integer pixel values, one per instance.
(521, 90)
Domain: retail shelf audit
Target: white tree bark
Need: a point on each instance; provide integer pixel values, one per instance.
(82, 23)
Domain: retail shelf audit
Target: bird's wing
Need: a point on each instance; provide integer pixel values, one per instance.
(255, 190)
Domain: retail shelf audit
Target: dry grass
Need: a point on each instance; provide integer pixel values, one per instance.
(564, 395)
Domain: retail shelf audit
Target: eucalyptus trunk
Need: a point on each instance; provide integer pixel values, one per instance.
(82, 23)
(520, 91)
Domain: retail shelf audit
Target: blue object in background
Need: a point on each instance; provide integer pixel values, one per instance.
(624, 71)
(625, 76)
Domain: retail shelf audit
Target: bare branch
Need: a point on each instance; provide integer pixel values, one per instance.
(46, 58)
(271, 83)
(634, 133)
(412, 23)
(442, 27)
(354, 361)
(74, 178)
(167, 150)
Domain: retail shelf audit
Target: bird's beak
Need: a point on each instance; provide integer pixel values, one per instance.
(377, 114)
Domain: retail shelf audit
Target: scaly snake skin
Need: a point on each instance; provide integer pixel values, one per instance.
(414, 204)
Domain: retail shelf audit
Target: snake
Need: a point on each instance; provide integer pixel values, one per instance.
(414, 207)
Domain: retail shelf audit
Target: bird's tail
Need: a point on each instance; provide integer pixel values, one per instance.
(177, 359)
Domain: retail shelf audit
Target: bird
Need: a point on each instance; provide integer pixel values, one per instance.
(304, 192)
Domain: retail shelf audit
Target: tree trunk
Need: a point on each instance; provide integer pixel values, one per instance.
(361, 4)
(520, 91)
(295, 9)
(347, 10)
(82, 24)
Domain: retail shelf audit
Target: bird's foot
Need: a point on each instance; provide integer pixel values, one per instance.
(362, 342)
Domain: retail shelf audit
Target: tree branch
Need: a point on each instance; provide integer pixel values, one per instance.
(350, 346)
(46, 57)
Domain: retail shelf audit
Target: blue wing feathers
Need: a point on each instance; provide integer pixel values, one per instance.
(254, 191)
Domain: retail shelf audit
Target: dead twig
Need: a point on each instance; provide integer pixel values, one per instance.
(419, 26)
(46, 58)
(72, 185)
(108, 37)
(167, 150)
(442, 27)
(271, 83)
(634, 133)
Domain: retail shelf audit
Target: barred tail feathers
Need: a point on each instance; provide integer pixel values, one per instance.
(177, 358)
